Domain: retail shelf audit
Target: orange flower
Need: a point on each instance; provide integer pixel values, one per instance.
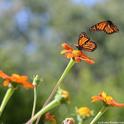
(15, 78)
(51, 118)
(107, 100)
(84, 112)
(76, 55)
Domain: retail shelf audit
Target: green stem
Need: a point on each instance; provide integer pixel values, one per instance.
(79, 122)
(79, 119)
(48, 107)
(6, 98)
(99, 114)
(69, 66)
(35, 95)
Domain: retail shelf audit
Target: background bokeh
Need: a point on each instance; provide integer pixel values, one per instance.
(31, 33)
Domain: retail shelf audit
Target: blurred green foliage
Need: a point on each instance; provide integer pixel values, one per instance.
(33, 47)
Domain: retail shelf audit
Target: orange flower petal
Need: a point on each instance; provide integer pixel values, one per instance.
(77, 55)
(51, 118)
(15, 78)
(28, 85)
(108, 100)
(3, 75)
(116, 104)
(96, 98)
(88, 60)
(67, 46)
(77, 59)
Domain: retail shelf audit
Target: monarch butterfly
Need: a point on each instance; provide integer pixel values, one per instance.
(84, 43)
(107, 26)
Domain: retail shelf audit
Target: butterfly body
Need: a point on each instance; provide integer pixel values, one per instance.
(84, 43)
(107, 26)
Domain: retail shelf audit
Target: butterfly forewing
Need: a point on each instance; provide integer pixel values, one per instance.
(101, 25)
(82, 38)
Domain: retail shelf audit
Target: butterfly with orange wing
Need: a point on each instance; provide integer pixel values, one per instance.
(107, 26)
(84, 43)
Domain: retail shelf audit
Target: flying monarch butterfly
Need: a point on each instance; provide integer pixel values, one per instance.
(84, 43)
(107, 26)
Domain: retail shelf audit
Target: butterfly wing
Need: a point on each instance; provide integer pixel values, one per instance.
(82, 39)
(110, 28)
(89, 46)
(106, 26)
(99, 26)
(84, 43)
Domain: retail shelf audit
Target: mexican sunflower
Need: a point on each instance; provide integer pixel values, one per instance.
(15, 78)
(107, 100)
(76, 55)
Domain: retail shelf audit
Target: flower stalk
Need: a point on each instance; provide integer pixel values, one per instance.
(99, 114)
(48, 107)
(69, 66)
(6, 98)
(80, 120)
(61, 96)
(35, 95)
(67, 69)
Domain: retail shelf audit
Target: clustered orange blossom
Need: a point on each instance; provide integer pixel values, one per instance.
(50, 117)
(107, 100)
(15, 78)
(76, 55)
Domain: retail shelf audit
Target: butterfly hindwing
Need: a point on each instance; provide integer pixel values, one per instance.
(111, 28)
(89, 46)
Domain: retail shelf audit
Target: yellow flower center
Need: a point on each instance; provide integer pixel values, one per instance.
(106, 98)
(76, 53)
